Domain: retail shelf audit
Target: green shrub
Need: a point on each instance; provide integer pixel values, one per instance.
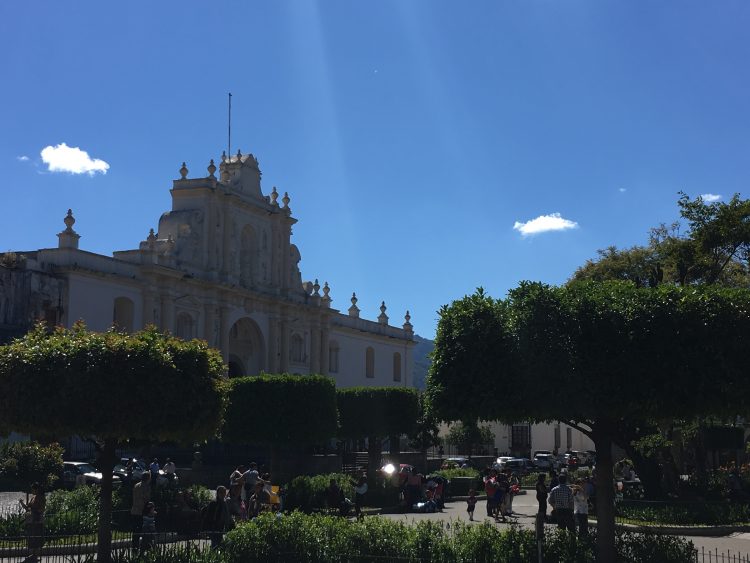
(307, 493)
(12, 524)
(307, 538)
(23, 463)
(697, 514)
(72, 512)
(458, 472)
(199, 496)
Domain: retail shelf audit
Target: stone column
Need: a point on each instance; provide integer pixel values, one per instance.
(224, 333)
(284, 334)
(167, 312)
(148, 307)
(315, 350)
(324, 343)
(209, 317)
(273, 345)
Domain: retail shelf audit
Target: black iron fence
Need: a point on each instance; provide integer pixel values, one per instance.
(703, 555)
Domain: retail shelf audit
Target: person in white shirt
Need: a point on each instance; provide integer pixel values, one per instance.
(169, 469)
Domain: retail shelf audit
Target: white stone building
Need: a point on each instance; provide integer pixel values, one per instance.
(222, 267)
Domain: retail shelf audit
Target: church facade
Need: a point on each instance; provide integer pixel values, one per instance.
(222, 267)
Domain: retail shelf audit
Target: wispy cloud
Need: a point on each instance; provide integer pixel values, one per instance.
(544, 224)
(710, 198)
(62, 158)
(623, 190)
(23, 158)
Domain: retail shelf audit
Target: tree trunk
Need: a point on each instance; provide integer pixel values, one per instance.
(106, 464)
(374, 451)
(605, 500)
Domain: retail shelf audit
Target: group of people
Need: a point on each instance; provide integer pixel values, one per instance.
(500, 488)
(570, 505)
(422, 493)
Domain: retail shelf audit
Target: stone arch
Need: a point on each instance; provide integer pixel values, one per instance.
(248, 256)
(122, 315)
(246, 348)
(236, 367)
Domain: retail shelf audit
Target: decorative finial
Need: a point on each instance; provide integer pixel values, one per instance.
(354, 310)
(183, 171)
(223, 156)
(69, 221)
(326, 300)
(239, 155)
(151, 238)
(274, 197)
(408, 328)
(316, 288)
(326, 289)
(285, 200)
(382, 317)
(68, 238)
(211, 169)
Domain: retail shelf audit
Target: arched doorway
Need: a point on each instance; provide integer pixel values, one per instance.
(246, 349)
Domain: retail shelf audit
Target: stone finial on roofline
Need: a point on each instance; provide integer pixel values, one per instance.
(274, 197)
(68, 238)
(382, 317)
(211, 169)
(326, 298)
(183, 171)
(408, 328)
(354, 310)
(285, 200)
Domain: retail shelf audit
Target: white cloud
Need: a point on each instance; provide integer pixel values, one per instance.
(545, 223)
(22, 158)
(710, 198)
(623, 190)
(62, 158)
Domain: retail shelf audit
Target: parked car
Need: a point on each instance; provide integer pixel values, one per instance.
(541, 452)
(457, 462)
(76, 473)
(519, 465)
(501, 461)
(545, 462)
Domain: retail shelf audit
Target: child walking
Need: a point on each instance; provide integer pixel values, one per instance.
(471, 502)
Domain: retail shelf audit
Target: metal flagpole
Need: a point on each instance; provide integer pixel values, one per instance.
(229, 128)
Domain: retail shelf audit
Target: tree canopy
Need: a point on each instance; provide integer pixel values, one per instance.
(597, 356)
(114, 386)
(281, 409)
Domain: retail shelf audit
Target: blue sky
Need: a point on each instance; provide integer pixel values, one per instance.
(411, 135)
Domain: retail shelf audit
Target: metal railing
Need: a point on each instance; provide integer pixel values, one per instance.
(707, 556)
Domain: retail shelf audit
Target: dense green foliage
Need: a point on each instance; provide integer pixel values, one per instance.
(145, 385)
(595, 355)
(23, 463)
(72, 512)
(377, 411)
(685, 514)
(114, 386)
(458, 472)
(280, 410)
(309, 493)
(713, 249)
(469, 436)
(298, 537)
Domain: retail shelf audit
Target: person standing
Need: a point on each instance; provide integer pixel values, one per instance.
(141, 496)
(360, 490)
(541, 494)
(561, 501)
(471, 503)
(250, 477)
(581, 509)
(169, 470)
(490, 488)
(154, 469)
(216, 518)
(148, 528)
(34, 520)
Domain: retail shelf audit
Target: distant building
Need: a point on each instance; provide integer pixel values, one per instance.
(220, 266)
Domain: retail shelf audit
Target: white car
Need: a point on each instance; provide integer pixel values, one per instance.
(76, 473)
(139, 468)
(501, 461)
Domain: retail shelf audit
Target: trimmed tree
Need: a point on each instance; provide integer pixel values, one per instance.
(598, 356)
(276, 411)
(376, 413)
(114, 386)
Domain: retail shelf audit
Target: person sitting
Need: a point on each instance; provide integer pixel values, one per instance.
(334, 495)
(259, 501)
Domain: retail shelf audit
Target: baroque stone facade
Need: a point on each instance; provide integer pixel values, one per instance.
(221, 266)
